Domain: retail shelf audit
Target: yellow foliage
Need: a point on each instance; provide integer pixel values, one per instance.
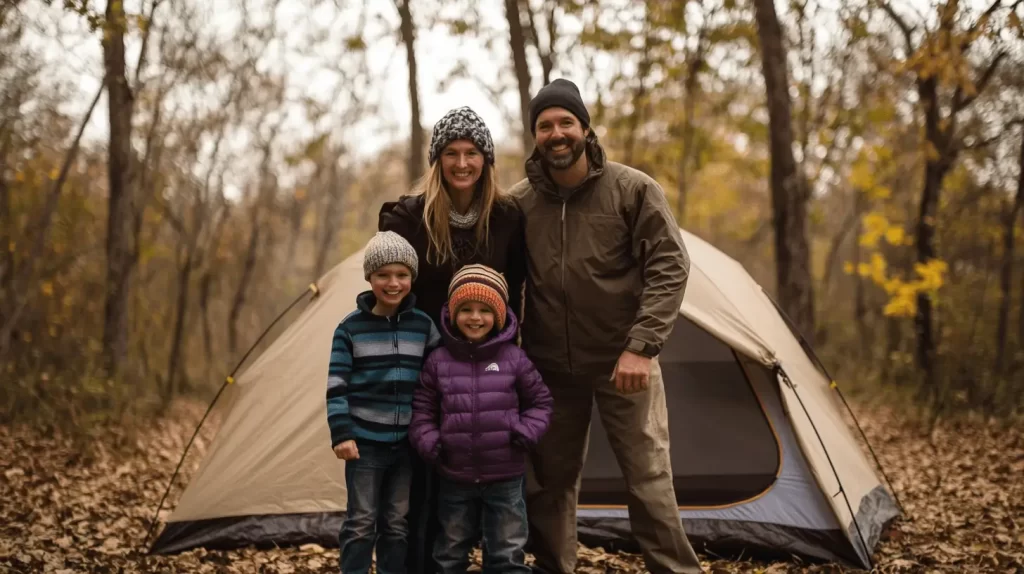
(877, 267)
(47, 288)
(848, 268)
(931, 274)
(895, 235)
(880, 192)
(861, 176)
(875, 226)
(903, 303)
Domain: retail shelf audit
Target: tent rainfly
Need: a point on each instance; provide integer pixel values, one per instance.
(762, 457)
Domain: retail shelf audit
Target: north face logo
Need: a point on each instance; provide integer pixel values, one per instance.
(492, 367)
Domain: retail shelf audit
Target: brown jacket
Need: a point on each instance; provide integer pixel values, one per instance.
(606, 266)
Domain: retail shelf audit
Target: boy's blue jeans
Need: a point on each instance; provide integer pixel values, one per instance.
(378, 504)
(495, 512)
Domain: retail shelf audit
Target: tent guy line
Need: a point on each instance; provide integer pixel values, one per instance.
(228, 380)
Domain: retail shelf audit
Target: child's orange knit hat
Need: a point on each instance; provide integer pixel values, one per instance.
(479, 283)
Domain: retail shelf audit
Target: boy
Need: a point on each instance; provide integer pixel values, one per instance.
(376, 358)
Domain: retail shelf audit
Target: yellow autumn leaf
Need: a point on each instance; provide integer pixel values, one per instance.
(878, 266)
(880, 192)
(892, 286)
(47, 288)
(895, 235)
(903, 303)
(863, 269)
(848, 268)
(931, 274)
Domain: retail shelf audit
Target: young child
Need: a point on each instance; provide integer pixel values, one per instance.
(479, 406)
(376, 357)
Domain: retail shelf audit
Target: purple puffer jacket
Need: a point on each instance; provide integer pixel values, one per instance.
(479, 407)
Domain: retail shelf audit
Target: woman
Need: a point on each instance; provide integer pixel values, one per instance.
(456, 216)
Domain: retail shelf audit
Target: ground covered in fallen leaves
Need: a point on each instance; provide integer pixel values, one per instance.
(65, 507)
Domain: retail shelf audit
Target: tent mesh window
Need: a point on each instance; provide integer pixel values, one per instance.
(724, 450)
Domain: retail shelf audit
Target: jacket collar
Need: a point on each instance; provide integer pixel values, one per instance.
(539, 178)
(365, 302)
(463, 350)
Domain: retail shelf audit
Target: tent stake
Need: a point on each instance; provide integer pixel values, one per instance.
(227, 381)
(835, 386)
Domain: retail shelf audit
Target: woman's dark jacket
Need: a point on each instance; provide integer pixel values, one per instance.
(504, 252)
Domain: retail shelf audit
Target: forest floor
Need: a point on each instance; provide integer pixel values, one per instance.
(65, 507)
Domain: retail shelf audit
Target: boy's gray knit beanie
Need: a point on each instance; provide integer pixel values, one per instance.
(385, 248)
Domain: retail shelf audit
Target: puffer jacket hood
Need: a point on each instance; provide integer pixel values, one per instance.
(479, 407)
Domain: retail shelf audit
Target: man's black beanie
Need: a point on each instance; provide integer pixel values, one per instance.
(558, 94)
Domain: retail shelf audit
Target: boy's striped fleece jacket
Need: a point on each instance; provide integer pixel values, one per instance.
(375, 366)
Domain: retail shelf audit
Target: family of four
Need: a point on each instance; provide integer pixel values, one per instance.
(453, 434)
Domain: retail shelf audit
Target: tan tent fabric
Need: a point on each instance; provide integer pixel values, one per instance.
(272, 454)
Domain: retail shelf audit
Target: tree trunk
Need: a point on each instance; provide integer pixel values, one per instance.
(238, 301)
(204, 312)
(119, 215)
(330, 222)
(517, 42)
(180, 317)
(547, 62)
(1006, 274)
(936, 166)
(639, 101)
(690, 89)
(416, 143)
(789, 190)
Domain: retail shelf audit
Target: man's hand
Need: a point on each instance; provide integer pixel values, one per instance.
(632, 373)
(346, 450)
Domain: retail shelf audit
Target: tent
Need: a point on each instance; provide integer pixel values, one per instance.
(762, 456)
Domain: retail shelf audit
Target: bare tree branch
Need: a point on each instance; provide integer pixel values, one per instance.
(960, 102)
(908, 31)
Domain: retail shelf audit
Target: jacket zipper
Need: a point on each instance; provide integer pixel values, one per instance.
(565, 294)
(476, 419)
(394, 383)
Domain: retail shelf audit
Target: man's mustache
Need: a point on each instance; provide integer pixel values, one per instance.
(555, 143)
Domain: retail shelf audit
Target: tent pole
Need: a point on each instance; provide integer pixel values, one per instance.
(835, 386)
(780, 372)
(230, 379)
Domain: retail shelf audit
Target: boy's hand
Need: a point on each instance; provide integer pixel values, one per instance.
(346, 450)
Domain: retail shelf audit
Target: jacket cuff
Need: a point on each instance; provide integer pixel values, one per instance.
(642, 348)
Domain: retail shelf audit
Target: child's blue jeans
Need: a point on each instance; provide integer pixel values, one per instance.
(378, 504)
(495, 512)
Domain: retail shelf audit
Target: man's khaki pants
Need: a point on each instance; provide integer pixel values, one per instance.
(637, 427)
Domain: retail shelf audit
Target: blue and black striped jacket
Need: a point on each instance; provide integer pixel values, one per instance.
(375, 366)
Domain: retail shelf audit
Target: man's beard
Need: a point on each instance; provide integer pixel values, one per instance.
(563, 160)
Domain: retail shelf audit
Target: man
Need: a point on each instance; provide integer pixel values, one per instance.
(606, 270)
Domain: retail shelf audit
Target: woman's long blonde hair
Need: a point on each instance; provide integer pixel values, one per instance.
(437, 205)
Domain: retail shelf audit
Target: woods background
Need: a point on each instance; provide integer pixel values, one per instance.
(175, 172)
